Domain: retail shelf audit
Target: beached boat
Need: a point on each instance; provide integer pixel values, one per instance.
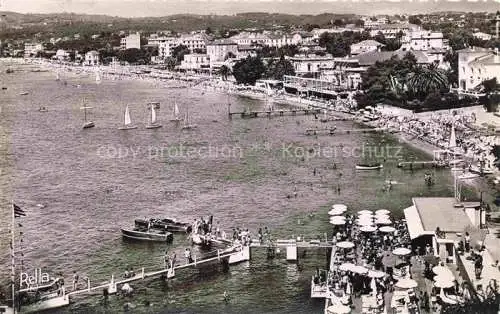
(479, 170)
(369, 166)
(153, 124)
(127, 124)
(143, 232)
(23, 93)
(43, 109)
(171, 225)
(468, 176)
(43, 297)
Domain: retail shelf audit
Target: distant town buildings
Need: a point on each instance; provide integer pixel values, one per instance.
(482, 36)
(31, 49)
(476, 65)
(132, 41)
(220, 50)
(365, 46)
(91, 58)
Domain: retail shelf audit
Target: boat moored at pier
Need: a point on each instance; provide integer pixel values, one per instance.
(369, 166)
(143, 232)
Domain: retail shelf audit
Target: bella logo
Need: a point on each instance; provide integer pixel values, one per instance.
(36, 278)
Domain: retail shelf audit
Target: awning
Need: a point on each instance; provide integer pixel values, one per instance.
(414, 223)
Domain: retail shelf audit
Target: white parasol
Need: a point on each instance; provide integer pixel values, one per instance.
(368, 228)
(338, 222)
(382, 212)
(338, 309)
(383, 222)
(347, 266)
(359, 269)
(406, 283)
(364, 212)
(442, 271)
(345, 244)
(334, 212)
(387, 229)
(365, 223)
(376, 274)
(442, 283)
(401, 251)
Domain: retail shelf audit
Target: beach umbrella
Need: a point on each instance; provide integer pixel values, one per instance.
(365, 219)
(336, 218)
(382, 212)
(345, 244)
(387, 229)
(442, 270)
(401, 251)
(335, 212)
(406, 283)
(376, 274)
(444, 284)
(347, 266)
(338, 222)
(365, 211)
(368, 228)
(338, 309)
(365, 223)
(341, 207)
(383, 222)
(359, 269)
(384, 216)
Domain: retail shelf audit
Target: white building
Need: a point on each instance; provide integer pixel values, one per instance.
(132, 41)
(248, 39)
(62, 55)
(91, 58)
(476, 65)
(423, 40)
(155, 40)
(30, 50)
(391, 31)
(482, 36)
(365, 46)
(310, 64)
(194, 42)
(195, 62)
(220, 50)
(165, 49)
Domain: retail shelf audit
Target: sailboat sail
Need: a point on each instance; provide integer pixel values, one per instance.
(176, 111)
(127, 117)
(153, 114)
(453, 139)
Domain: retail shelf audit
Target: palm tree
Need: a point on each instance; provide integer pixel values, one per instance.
(426, 80)
(224, 71)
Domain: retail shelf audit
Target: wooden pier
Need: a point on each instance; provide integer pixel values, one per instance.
(111, 286)
(271, 113)
(420, 164)
(333, 131)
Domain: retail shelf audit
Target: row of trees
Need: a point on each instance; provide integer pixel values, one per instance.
(339, 45)
(251, 69)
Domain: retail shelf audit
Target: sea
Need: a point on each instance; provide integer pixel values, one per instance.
(79, 187)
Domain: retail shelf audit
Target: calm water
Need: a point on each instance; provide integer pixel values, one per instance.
(95, 181)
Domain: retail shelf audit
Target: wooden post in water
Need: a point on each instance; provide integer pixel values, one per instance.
(142, 273)
(229, 111)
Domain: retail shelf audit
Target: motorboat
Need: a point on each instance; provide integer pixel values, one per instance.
(143, 232)
(480, 171)
(171, 225)
(43, 297)
(468, 176)
(369, 166)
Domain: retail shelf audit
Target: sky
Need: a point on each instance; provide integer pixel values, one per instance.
(141, 8)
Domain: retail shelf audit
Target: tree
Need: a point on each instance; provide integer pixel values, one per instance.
(276, 69)
(423, 81)
(171, 62)
(224, 71)
(178, 52)
(414, 20)
(208, 30)
(132, 55)
(338, 22)
(249, 70)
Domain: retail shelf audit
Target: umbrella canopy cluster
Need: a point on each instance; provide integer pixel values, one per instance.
(337, 209)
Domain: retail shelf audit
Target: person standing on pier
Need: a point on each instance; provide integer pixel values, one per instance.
(75, 280)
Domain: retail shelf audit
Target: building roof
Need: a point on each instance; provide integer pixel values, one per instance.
(221, 42)
(93, 53)
(370, 58)
(489, 59)
(441, 212)
(368, 43)
(473, 49)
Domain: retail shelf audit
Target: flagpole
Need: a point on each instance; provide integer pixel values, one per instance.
(13, 267)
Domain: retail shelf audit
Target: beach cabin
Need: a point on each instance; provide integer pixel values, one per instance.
(439, 223)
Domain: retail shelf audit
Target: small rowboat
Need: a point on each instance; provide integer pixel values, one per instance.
(369, 166)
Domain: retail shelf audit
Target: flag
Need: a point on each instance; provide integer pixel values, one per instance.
(18, 212)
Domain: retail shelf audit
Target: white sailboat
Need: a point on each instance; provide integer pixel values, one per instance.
(176, 116)
(127, 124)
(86, 124)
(187, 125)
(153, 124)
